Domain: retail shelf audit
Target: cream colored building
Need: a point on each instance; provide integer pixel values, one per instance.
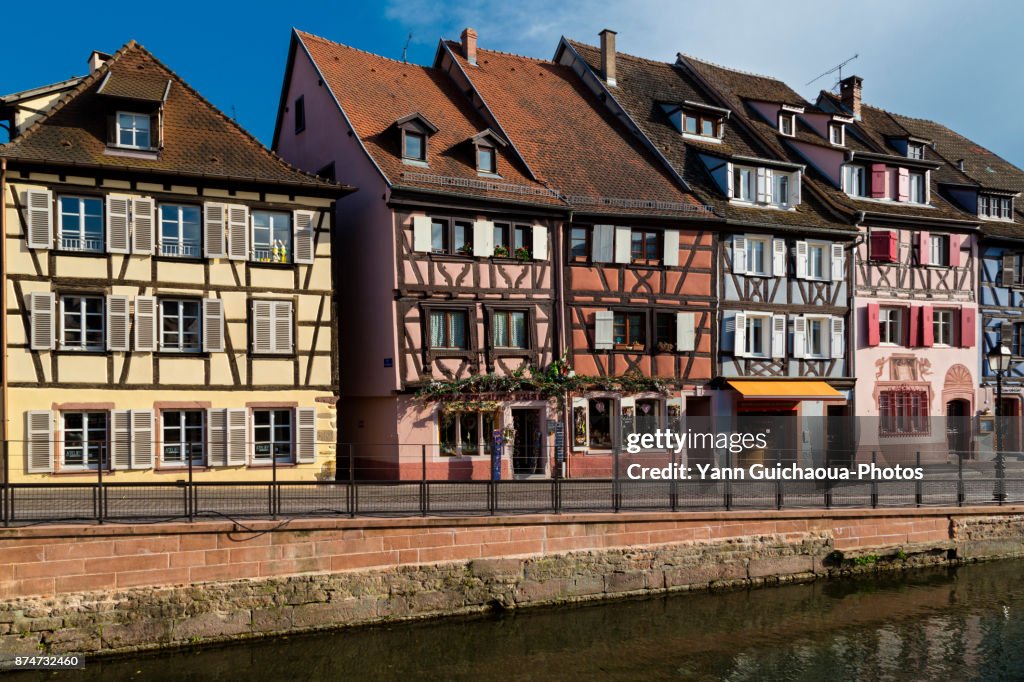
(167, 288)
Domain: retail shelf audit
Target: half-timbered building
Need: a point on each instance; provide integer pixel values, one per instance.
(167, 287)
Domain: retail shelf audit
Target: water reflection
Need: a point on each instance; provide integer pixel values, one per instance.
(957, 624)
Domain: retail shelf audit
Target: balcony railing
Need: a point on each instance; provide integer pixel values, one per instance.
(265, 255)
(79, 244)
(183, 250)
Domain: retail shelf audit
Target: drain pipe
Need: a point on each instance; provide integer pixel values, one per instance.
(4, 412)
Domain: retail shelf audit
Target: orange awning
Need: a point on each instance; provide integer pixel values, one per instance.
(786, 390)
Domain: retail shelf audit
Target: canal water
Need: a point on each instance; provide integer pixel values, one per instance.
(949, 624)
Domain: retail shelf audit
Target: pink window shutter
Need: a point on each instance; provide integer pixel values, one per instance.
(968, 318)
(874, 337)
(903, 184)
(878, 181)
(927, 330)
(913, 338)
(954, 250)
(924, 243)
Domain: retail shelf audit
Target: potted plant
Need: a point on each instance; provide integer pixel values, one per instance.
(466, 250)
(665, 347)
(523, 253)
(501, 251)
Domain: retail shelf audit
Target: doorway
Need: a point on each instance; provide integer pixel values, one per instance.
(958, 431)
(527, 445)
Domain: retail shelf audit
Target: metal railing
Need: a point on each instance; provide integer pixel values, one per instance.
(183, 250)
(79, 244)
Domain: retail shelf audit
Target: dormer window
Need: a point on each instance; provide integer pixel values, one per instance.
(918, 195)
(133, 130)
(485, 146)
(855, 181)
(787, 124)
(996, 208)
(487, 160)
(837, 134)
(414, 146)
(915, 150)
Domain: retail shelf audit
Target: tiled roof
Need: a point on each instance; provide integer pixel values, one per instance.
(375, 92)
(199, 140)
(143, 87)
(569, 138)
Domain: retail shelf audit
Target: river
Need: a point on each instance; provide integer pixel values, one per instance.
(944, 624)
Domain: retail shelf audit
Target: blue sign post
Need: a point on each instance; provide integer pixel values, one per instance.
(496, 456)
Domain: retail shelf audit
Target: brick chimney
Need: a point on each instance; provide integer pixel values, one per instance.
(849, 93)
(608, 56)
(469, 45)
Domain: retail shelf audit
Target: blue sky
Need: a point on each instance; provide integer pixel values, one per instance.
(954, 62)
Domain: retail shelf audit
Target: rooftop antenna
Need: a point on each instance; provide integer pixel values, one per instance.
(838, 68)
(234, 115)
(405, 49)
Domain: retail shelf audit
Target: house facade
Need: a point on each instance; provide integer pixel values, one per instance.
(168, 289)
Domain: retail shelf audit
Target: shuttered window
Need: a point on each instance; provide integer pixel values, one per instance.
(80, 221)
(39, 210)
(181, 232)
(183, 437)
(39, 437)
(213, 325)
(305, 441)
(272, 326)
(181, 325)
(83, 440)
(272, 237)
(82, 323)
(213, 230)
(145, 323)
(143, 225)
(118, 323)
(305, 242)
(41, 308)
(272, 435)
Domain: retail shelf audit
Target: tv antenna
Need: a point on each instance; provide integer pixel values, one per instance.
(405, 49)
(838, 68)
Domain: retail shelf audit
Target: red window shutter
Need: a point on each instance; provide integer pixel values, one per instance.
(924, 244)
(913, 335)
(894, 246)
(954, 250)
(927, 331)
(968, 317)
(874, 337)
(878, 189)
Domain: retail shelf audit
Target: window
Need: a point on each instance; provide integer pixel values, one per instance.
(448, 329)
(180, 326)
(665, 331)
(521, 237)
(757, 342)
(82, 325)
(466, 433)
(510, 329)
(943, 327)
(743, 184)
(452, 237)
(701, 124)
(272, 435)
(890, 326)
(817, 343)
(272, 327)
(939, 249)
(915, 150)
(271, 237)
(644, 246)
(757, 256)
(707, 127)
(648, 415)
(816, 263)
(487, 160)
(917, 188)
(300, 114)
(84, 440)
(995, 207)
(579, 244)
(183, 436)
(600, 417)
(836, 134)
(884, 246)
(786, 124)
(781, 195)
(855, 180)
(81, 223)
(414, 146)
(133, 130)
(1017, 343)
(903, 413)
(180, 231)
(629, 330)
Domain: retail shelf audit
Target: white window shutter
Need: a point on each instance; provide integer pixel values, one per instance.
(728, 182)
(304, 243)
(739, 254)
(794, 188)
(238, 435)
(603, 244)
(262, 327)
(145, 323)
(216, 437)
(142, 439)
(623, 244)
(421, 238)
(238, 232)
(39, 445)
(778, 336)
(282, 316)
(686, 331)
(739, 337)
(39, 207)
(483, 239)
(120, 439)
(762, 195)
(799, 336)
(801, 260)
(143, 225)
(118, 323)
(838, 265)
(305, 437)
(213, 229)
(838, 344)
(540, 242)
(671, 257)
(604, 329)
(779, 257)
(213, 325)
(769, 185)
(44, 323)
(118, 209)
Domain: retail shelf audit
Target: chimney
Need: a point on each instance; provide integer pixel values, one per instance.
(97, 59)
(469, 45)
(608, 56)
(960, 164)
(849, 93)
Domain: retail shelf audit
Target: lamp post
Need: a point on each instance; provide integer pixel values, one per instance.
(999, 362)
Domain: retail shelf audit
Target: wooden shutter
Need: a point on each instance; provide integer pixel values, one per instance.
(118, 210)
(903, 184)
(779, 257)
(801, 260)
(769, 186)
(262, 327)
(120, 439)
(143, 225)
(238, 435)
(671, 246)
(421, 238)
(914, 326)
(1009, 270)
(739, 254)
(540, 241)
(213, 325)
(878, 175)
(216, 437)
(238, 232)
(799, 336)
(604, 329)
(41, 308)
(794, 188)
(739, 337)
(483, 238)
(954, 250)
(623, 244)
(778, 336)
(603, 243)
(927, 330)
(968, 322)
(145, 323)
(686, 331)
(874, 324)
(282, 317)
(1006, 333)
(838, 342)
(39, 441)
(213, 230)
(118, 323)
(305, 436)
(838, 264)
(762, 194)
(142, 439)
(39, 217)
(304, 242)
(924, 253)
(728, 180)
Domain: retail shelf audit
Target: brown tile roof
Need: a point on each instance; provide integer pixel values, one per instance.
(375, 92)
(199, 140)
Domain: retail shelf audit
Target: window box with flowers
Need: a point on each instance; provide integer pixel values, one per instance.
(500, 251)
(522, 254)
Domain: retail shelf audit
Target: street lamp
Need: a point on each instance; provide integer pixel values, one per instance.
(999, 362)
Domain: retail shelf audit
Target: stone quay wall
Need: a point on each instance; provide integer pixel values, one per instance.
(109, 589)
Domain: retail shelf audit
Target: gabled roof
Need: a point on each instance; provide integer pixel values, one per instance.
(198, 140)
(374, 92)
